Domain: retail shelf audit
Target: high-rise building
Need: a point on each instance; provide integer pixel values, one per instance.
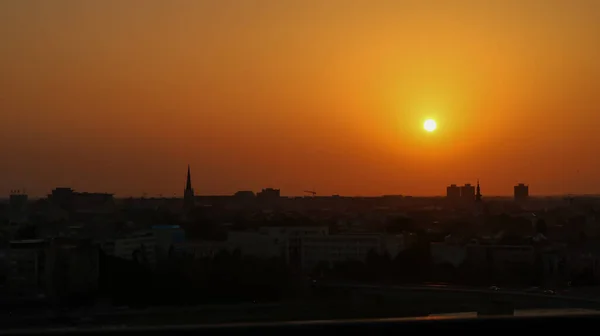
(453, 192)
(521, 192)
(188, 194)
(467, 193)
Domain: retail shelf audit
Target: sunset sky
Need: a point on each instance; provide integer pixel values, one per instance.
(120, 95)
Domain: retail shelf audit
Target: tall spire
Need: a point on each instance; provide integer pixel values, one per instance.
(188, 184)
(478, 194)
(188, 193)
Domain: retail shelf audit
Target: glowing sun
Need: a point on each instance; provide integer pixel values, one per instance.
(430, 125)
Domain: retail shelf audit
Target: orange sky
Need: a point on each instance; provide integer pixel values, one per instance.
(120, 95)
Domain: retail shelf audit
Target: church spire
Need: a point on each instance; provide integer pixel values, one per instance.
(188, 184)
(478, 194)
(188, 193)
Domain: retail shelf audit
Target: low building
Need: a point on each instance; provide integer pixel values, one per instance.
(26, 261)
(302, 247)
(139, 247)
(166, 237)
(72, 268)
(54, 268)
(445, 253)
(332, 249)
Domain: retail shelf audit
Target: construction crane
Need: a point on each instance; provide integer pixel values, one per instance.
(569, 198)
(313, 193)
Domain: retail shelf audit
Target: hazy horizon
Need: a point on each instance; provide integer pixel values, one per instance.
(285, 193)
(116, 196)
(119, 96)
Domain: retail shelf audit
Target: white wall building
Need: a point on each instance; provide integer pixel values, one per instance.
(287, 239)
(499, 256)
(25, 265)
(338, 248)
(301, 246)
(282, 233)
(256, 244)
(166, 236)
(140, 246)
(200, 249)
(442, 253)
(267, 242)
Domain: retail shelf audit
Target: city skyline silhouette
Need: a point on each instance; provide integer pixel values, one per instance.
(112, 96)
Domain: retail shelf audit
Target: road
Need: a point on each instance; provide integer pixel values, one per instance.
(361, 301)
(579, 298)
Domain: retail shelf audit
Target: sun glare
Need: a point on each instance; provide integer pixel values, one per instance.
(430, 125)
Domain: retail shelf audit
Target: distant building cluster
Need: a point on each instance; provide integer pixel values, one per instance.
(53, 247)
(467, 193)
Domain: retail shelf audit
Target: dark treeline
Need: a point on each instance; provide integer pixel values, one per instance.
(231, 277)
(224, 278)
(414, 266)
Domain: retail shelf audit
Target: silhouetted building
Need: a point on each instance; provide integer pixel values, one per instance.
(17, 207)
(453, 192)
(71, 268)
(166, 237)
(467, 193)
(188, 193)
(478, 194)
(269, 193)
(521, 192)
(59, 268)
(18, 201)
(62, 197)
(68, 199)
(26, 267)
(244, 194)
(138, 246)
